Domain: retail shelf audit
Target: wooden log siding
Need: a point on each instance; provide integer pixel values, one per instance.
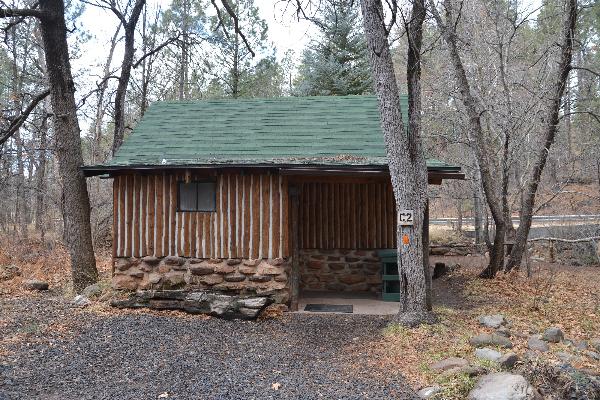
(251, 220)
(346, 216)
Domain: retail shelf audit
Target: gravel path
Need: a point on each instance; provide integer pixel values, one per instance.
(49, 350)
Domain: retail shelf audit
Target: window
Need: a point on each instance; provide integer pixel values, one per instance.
(197, 196)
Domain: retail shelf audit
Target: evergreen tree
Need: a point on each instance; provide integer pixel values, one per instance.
(185, 20)
(236, 71)
(335, 62)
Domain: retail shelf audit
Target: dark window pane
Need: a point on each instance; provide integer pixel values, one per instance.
(207, 199)
(187, 196)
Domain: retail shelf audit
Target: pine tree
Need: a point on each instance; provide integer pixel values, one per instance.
(335, 62)
(236, 71)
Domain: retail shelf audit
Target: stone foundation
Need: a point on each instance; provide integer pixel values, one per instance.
(340, 270)
(261, 277)
(197, 302)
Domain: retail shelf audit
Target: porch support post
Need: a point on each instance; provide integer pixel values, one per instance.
(294, 227)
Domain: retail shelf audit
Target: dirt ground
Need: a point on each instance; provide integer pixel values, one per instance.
(557, 295)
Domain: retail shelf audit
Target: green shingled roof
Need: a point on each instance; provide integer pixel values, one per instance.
(280, 131)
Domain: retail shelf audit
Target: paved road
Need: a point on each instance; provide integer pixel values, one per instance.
(51, 351)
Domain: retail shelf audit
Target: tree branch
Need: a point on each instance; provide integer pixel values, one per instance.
(156, 50)
(20, 12)
(20, 120)
(236, 25)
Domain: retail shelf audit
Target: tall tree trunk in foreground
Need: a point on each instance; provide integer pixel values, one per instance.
(68, 145)
(405, 155)
(552, 120)
(482, 152)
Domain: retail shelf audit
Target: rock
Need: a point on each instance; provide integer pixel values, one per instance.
(259, 278)
(486, 339)
(492, 321)
(535, 343)
(503, 386)
(8, 272)
(151, 260)
(440, 269)
(254, 302)
(428, 392)
(592, 354)
(247, 270)
(281, 277)
(174, 261)
(123, 264)
(269, 270)
(173, 280)
(124, 282)
(154, 278)
(235, 277)
(581, 345)
(251, 263)
(566, 357)
(488, 354)
(34, 284)
(224, 269)
(595, 343)
(508, 360)
(351, 279)
(553, 335)
(233, 261)
(92, 291)
(201, 269)
(276, 261)
(135, 272)
(81, 301)
(504, 331)
(449, 363)
(211, 279)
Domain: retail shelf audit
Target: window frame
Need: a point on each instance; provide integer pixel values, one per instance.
(197, 209)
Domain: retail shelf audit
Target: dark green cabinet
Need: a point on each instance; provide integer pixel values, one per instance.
(389, 273)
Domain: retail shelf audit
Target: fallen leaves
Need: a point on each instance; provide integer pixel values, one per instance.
(565, 297)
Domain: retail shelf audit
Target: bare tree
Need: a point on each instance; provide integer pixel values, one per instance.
(404, 152)
(481, 147)
(552, 120)
(128, 17)
(51, 15)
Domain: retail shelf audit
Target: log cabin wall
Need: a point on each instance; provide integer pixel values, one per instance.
(250, 221)
(347, 216)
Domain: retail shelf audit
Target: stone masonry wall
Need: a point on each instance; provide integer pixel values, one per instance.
(260, 277)
(340, 270)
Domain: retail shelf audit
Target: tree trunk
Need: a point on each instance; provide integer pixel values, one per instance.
(552, 121)
(405, 155)
(478, 212)
(235, 71)
(126, 65)
(100, 110)
(68, 145)
(40, 198)
(480, 146)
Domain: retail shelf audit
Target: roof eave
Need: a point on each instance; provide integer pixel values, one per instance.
(444, 172)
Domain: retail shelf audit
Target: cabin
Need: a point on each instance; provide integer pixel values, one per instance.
(254, 199)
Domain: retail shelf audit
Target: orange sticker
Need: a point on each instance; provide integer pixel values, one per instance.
(405, 239)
